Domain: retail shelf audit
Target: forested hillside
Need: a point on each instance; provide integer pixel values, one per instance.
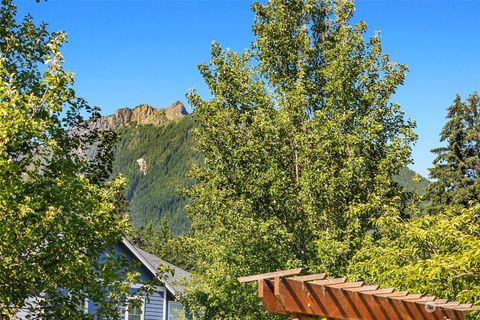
(156, 159)
(412, 181)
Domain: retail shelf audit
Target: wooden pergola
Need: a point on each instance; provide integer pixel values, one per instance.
(301, 296)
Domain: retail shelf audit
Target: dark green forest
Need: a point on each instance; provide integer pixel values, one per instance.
(168, 156)
(412, 181)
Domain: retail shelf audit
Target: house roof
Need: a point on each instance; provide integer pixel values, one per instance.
(173, 282)
(176, 280)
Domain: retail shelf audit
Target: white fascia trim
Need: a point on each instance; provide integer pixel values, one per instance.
(165, 303)
(150, 268)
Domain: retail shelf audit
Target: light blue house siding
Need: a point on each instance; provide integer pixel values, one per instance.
(123, 248)
(153, 308)
(162, 304)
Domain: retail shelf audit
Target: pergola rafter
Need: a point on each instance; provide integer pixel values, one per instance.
(290, 292)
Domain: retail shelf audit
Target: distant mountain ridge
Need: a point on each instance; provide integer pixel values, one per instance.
(142, 115)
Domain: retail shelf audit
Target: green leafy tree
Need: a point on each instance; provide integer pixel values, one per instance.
(438, 253)
(301, 145)
(456, 171)
(153, 239)
(58, 211)
(435, 255)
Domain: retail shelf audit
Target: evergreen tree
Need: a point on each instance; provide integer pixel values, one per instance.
(301, 145)
(456, 171)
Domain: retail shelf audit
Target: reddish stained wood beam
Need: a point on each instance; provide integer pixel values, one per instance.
(409, 297)
(436, 313)
(380, 291)
(269, 300)
(364, 288)
(329, 281)
(310, 277)
(424, 299)
(460, 306)
(439, 301)
(287, 292)
(452, 303)
(345, 285)
(271, 275)
(397, 294)
(473, 308)
(311, 299)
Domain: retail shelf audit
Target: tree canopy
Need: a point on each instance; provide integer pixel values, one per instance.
(456, 171)
(438, 252)
(435, 255)
(58, 211)
(301, 144)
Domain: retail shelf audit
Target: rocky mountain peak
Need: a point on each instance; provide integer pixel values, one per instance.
(175, 111)
(142, 114)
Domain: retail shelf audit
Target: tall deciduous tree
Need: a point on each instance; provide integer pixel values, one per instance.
(300, 144)
(58, 212)
(456, 171)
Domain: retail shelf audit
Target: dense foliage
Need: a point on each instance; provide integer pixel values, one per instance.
(161, 200)
(435, 255)
(438, 253)
(58, 211)
(296, 164)
(301, 145)
(167, 154)
(456, 171)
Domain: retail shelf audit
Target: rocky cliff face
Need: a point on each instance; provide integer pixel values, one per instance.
(142, 114)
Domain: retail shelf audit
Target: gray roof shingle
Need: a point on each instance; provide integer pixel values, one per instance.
(179, 277)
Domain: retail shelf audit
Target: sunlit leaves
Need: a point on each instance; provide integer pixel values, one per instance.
(435, 255)
(58, 211)
(301, 144)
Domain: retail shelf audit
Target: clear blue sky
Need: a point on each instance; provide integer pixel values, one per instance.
(125, 53)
